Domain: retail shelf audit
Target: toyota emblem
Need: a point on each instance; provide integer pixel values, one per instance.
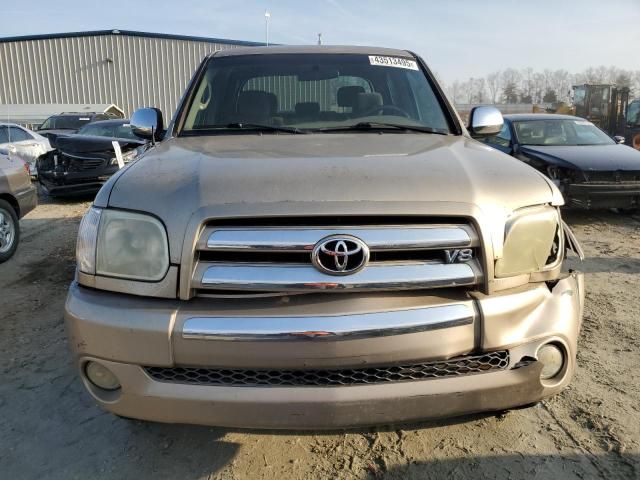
(340, 255)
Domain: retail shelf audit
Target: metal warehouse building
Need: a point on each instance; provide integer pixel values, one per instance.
(129, 69)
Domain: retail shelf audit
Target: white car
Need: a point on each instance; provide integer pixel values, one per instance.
(23, 142)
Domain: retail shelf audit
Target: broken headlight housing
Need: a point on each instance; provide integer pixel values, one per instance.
(127, 157)
(122, 244)
(531, 242)
(561, 176)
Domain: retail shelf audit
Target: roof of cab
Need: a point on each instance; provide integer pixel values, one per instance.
(317, 49)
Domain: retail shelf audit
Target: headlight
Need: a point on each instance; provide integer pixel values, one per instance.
(122, 244)
(86, 244)
(530, 241)
(126, 157)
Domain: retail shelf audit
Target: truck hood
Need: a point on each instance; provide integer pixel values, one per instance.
(186, 180)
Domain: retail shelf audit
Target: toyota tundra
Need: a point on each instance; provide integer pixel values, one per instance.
(317, 241)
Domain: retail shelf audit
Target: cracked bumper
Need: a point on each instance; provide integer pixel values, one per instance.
(126, 333)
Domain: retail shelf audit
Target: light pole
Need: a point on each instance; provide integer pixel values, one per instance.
(267, 16)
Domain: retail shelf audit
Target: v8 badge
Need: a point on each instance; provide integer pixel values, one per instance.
(459, 255)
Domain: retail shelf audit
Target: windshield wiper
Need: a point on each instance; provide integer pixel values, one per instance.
(247, 126)
(382, 125)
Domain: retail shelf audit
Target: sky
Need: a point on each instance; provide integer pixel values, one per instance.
(458, 38)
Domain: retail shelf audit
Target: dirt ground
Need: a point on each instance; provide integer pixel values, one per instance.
(51, 428)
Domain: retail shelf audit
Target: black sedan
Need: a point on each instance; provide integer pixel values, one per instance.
(589, 167)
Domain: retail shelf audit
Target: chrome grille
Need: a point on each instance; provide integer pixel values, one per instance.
(80, 165)
(278, 258)
(455, 367)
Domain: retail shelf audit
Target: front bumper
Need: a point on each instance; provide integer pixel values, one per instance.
(126, 333)
(75, 183)
(603, 195)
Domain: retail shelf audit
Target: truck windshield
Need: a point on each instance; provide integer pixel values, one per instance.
(313, 92)
(560, 133)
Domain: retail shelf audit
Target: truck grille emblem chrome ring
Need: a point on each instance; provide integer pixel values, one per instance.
(340, 255)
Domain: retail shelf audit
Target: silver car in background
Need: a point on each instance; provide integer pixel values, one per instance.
(26, 144)
(17, 198)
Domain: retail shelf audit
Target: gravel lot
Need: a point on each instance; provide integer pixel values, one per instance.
(50, 428)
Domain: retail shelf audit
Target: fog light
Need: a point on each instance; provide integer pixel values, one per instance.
(552, 360)
(101, 376)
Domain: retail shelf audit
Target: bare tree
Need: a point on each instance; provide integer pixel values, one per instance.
(494, 85)
(526, 95)
(527, 85)
(456, 89)
(561, 84)
(479, 90)
(538, 87)
(510, 79)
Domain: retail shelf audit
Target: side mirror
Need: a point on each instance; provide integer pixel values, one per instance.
(485, 121)
(618, 139)
(147, 123)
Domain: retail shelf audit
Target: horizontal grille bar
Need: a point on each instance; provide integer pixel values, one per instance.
(332, 328)
(293, 277)
(303, 239)
(455, 367)
(613, 176)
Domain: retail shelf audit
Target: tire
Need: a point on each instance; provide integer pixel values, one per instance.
(9, 231)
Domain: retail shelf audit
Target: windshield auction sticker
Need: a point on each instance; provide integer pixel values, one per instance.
(397, 62)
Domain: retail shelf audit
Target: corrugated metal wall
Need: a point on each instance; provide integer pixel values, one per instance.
(130, 71)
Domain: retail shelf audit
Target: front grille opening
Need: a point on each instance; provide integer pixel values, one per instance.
(247, 256)
(455, 367)
(619, 176)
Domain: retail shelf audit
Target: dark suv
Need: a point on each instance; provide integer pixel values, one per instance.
(70, 122)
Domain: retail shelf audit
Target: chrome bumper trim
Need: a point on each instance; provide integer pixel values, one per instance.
(339, 327)
(294, 277)
(303, 239)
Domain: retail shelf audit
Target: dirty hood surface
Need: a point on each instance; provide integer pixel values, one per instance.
(355, 173)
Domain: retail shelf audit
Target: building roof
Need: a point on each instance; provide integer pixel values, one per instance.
(130, 33)
(33, 114)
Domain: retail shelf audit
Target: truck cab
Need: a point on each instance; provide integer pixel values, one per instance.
(317, 241)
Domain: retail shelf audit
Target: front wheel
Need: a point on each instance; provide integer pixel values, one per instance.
(9, 231)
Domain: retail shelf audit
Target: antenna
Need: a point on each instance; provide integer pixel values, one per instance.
(320, 39)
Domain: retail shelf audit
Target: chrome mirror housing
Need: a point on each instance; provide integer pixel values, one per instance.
(618, 139)
(147, 123)
(485, 121)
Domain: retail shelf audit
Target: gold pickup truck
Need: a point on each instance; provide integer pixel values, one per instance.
(317, 241)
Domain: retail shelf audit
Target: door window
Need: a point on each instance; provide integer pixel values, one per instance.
(18, 135)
